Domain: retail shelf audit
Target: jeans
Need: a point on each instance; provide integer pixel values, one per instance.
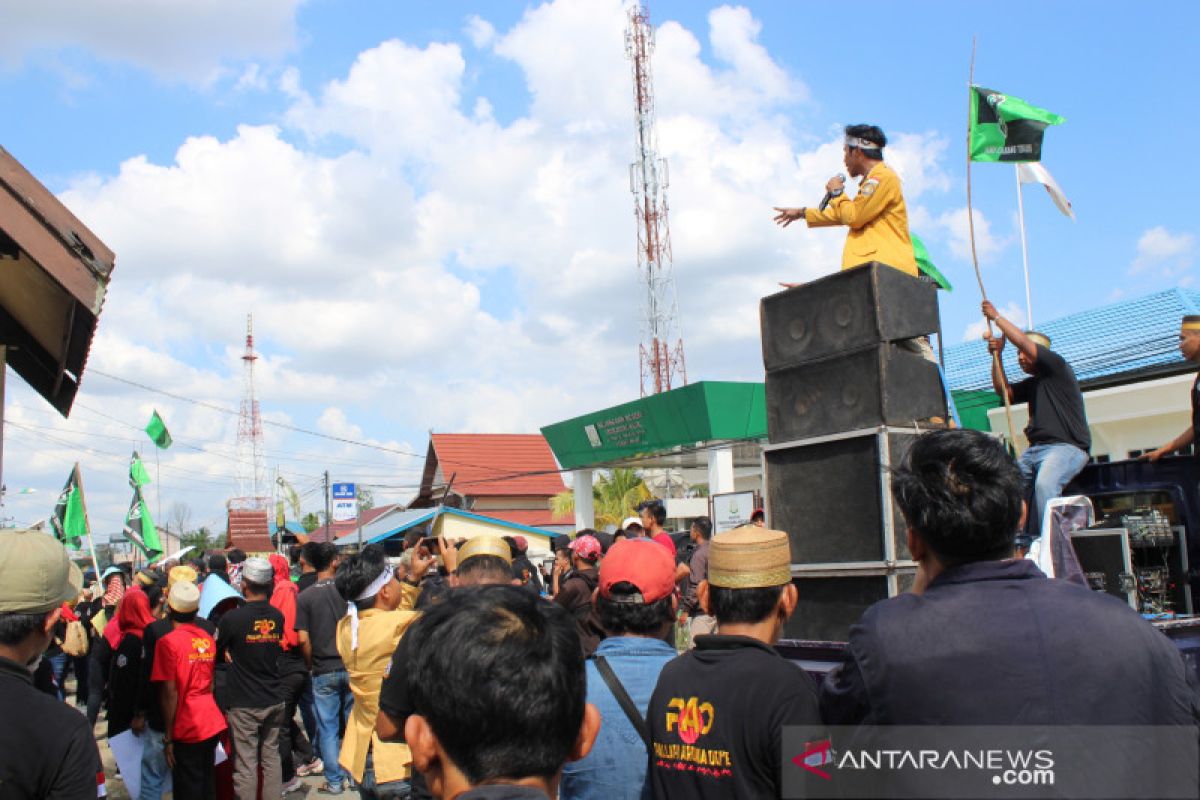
(1047, 468)
(392, 790)
(308, 714)
(58, 665)
(154, 765)
(332, 700)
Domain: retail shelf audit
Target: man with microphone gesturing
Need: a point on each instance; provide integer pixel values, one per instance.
(877, 216)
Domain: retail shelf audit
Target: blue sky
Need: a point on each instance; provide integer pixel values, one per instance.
(426, 205)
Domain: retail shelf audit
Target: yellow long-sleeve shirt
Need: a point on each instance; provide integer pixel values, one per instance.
(378, 634)
(878, 222)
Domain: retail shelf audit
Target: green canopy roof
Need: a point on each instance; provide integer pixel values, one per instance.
(700, 412)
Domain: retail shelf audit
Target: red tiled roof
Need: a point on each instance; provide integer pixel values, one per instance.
(337, 529)
(248, 531)
(534, 518)
(493, 464)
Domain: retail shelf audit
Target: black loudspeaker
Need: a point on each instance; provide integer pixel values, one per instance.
(828, 497)
(829, 606)
(879, 385)
(850, 309)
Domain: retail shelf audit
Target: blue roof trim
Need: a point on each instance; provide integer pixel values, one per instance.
(352, 538)
(379, 537)
(1116, 339)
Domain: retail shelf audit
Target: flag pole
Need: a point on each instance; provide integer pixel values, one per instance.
(87, 523)
(1024, 247)
(157, 482)
(974, 256)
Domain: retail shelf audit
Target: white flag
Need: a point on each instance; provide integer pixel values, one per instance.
(1034, 172)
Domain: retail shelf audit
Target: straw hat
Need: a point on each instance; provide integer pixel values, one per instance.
(749, 557)
(484, 546)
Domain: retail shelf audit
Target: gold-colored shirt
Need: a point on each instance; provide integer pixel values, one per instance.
(378, 634)
(878, 222)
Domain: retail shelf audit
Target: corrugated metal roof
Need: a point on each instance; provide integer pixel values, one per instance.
(341, 528)
(494, 464)
(396, 524)
(1117, 339)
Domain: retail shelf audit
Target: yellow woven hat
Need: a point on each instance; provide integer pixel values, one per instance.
(180, 573)
(1038, 338)
(749, 557)
(1191, 322)
(484, 546)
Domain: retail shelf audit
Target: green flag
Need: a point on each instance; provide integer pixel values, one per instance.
(139, 527)
(138, 477)
(1006, 128)
(156, 429)
(925, 264)
(69, 521)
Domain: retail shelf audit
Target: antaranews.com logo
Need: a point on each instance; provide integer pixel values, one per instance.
(1006, 767)
(990, 762)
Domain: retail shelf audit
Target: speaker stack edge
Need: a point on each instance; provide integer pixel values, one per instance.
(845, 399)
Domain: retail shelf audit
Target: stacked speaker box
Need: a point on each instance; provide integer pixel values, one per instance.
(847, 392)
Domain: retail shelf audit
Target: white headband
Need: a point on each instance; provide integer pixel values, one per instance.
(373, 589)
(862, 144)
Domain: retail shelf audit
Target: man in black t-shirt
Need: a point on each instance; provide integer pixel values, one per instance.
(1189, 347)
(46, 748)
(716, 717)
(318, 609)
(1058, 433)
(250, 638)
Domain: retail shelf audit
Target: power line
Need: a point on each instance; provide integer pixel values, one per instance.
(282, 425)
(278, 455)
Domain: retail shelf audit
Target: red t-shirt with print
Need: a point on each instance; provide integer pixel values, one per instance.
(187, 655)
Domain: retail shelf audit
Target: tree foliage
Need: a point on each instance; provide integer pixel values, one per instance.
(616, 494)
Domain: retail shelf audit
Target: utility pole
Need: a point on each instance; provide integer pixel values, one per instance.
(327, 510)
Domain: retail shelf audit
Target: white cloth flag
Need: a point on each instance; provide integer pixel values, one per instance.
(1034, 172)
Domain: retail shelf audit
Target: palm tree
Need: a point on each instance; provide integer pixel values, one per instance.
(617, 493)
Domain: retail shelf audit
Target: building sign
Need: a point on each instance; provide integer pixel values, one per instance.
(345, 502)
(699, 412)
(731, 510)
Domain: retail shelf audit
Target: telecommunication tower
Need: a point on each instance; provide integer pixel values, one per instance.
(661, 349)
(252, 472)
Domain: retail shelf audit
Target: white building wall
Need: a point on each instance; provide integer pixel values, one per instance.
(1124, 419)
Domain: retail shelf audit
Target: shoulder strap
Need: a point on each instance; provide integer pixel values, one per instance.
(623, 699)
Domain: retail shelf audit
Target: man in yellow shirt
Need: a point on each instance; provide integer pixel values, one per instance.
(877, 216)
(379, 610)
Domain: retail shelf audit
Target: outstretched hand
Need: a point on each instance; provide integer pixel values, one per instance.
(787, 216)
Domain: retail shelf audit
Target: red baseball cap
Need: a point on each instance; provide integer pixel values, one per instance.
(642, 562)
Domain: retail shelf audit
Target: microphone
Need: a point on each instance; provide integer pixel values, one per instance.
(830, 195)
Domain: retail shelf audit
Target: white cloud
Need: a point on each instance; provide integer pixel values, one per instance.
(190, 40)
(957, 229)
(1170, 254)
(479, 31)
(415, 264)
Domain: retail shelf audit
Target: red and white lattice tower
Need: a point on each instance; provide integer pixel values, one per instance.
(661, 349)
(252, 471)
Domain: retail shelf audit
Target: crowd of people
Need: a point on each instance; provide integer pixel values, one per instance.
(454, 671)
